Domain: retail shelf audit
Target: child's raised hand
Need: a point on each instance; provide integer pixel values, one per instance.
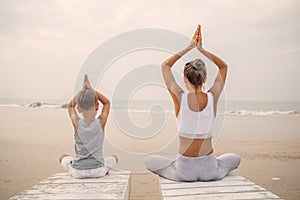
(86, 82)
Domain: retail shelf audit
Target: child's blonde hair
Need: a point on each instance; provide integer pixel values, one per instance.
(87, 99)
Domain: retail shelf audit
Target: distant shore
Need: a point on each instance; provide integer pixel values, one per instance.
(254, 108)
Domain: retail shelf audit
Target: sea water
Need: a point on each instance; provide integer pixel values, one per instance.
(229, 107)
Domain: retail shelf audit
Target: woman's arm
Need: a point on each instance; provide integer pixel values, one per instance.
(219, 82)
(105, 109)
(174, 89)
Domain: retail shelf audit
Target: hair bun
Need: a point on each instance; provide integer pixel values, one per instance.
(195, 71)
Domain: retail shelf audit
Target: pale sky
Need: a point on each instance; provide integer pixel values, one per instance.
(44, 43)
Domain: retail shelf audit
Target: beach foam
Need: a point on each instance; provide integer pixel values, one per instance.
(261, 112)
(241, 112)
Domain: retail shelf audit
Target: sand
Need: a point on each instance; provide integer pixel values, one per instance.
(32, 139)
(144, 185)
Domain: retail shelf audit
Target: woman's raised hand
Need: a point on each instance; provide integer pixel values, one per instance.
(199, 41)
(195, 38)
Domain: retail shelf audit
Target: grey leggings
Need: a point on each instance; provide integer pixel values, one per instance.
(204, 168)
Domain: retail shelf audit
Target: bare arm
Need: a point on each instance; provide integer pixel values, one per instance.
(174, 89)
(105, 102)
(72, 105)
(73, 114)
(219, 82)
(105, 109)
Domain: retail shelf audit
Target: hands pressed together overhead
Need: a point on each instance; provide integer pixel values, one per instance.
(197, 39)
(86, 82)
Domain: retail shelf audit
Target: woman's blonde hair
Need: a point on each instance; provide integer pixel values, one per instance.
(195, 72)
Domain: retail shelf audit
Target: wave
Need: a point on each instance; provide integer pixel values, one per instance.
(261, 112)
(241, 112)
(10, 105)
(36, 104)
(238, 112)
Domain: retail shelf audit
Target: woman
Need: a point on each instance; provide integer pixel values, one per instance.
(195, 114)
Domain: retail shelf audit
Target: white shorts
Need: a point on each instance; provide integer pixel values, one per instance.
(109, 162)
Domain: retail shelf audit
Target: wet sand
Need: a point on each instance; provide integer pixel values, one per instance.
(32, 139)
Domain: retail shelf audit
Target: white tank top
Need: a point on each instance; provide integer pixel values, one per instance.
(195, 125)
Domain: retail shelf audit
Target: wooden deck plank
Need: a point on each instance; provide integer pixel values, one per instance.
(241, 196)
(116, 185)
(205, 184)
(231, 187)
(211, 190)
(70, 180)
(62, 186)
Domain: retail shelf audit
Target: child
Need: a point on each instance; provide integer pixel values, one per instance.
(89, 135)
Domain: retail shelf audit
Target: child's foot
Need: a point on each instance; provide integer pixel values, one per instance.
(62, 156)
(110, 163)
(115, 158)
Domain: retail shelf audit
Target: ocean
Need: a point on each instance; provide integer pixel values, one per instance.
(229, 107)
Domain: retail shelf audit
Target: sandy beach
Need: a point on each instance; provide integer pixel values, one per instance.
(250, 50)
(31, 139)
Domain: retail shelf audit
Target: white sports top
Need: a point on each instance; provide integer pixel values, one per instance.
(195, 125)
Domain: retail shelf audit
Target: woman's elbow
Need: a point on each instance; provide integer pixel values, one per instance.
(225, 65)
